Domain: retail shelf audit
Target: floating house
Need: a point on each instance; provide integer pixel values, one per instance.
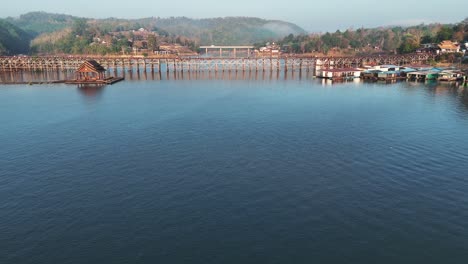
(403, 72)
(423, 75)
(448, 75)
(432, 75)
(370, 74)
(416, 76)
(387, 75)
(340, 74)
(91, 72)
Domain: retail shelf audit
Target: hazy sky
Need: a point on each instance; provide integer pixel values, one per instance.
(325, 15)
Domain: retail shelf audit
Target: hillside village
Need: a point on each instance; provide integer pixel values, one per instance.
(46, 34)
(147, 42)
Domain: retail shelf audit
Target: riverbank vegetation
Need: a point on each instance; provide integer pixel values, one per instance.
(376, 40)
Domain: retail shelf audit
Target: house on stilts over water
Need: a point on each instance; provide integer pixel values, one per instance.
(91, 72)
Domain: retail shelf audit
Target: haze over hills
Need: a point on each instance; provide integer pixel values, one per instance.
(42, 22)
(229, 30)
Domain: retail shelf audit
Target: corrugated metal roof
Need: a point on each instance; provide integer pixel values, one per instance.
(342, 70)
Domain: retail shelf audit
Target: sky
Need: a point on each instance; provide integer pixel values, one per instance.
(312, 15)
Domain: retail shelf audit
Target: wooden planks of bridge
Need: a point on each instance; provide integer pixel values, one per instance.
(175, 63)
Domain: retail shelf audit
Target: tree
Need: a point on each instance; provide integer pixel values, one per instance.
(80, 27)
(289, 38)
(427, 39)
(459, 35)
(445, 33)
(344, 43)
(296, 47)
(409, 45)
(391, 41)
(152, 42)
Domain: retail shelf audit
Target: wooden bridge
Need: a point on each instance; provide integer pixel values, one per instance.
(159, 64)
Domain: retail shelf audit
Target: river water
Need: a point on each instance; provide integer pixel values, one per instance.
(234, 168)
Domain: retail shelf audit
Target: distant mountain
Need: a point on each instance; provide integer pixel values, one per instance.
(42, 22)
(225, 31)
(13, 40)
(219, 31)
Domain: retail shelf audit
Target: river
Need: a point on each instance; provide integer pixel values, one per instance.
(256, 168)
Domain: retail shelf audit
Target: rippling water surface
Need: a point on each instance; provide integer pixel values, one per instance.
(246, 170)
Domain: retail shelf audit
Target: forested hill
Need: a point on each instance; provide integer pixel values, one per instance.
(220, 31)
(377, 40)
(225, 31)
(13, 40)
(41, 22)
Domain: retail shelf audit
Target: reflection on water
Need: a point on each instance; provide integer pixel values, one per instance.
(228, 75)
(434, 88)
(38, 76)
(454, 91)
(91, 91)
(35, 76)
(463, 95)
(168, 168)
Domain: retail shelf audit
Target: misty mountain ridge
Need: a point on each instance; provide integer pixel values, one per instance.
(206, 31)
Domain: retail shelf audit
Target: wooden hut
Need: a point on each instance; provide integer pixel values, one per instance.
(90, 71)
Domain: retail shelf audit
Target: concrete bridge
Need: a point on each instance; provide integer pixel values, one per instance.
(159, 64)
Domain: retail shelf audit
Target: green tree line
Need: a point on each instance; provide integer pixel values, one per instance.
(394, 39)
